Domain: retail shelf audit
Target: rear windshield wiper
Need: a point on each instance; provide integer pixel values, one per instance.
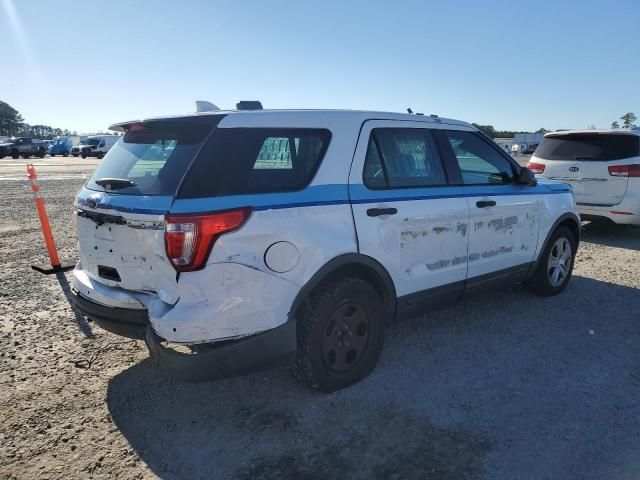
(115, 183)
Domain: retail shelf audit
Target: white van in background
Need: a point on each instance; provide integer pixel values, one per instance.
(95, 146)
(602, 166)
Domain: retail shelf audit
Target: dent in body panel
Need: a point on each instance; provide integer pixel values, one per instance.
(223, 301)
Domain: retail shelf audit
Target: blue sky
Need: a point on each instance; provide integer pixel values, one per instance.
(85, 64)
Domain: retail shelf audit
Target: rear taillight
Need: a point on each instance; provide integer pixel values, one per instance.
(536, 167)
(624, 170)
(188, 238)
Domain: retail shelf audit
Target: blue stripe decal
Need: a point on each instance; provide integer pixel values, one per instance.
(319, 195)
(309, 197)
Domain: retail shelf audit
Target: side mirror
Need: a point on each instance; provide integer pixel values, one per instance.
(527, 177)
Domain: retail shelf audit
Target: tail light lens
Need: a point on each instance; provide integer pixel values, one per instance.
(624, 170)
(536, 167)
(189, 238)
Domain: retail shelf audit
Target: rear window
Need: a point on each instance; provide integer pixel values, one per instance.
(256, 160)
(597, 147)
(153, 155)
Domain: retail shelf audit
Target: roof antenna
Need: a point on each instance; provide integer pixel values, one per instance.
(204, 106)
(409, 111)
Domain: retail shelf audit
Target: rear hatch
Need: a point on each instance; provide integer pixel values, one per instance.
(588, 161)
(121, 210)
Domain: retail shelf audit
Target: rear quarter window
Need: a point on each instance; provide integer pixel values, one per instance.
(585, 147)
(240, 161)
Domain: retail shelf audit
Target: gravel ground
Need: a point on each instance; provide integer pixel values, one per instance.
(501, 386)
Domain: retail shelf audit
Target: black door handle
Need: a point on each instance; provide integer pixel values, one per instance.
(376, 212)
(485, 203)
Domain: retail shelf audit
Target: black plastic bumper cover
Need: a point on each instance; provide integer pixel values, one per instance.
(274, 348)
(126, 322)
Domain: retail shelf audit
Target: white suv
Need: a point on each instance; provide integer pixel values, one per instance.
(236, 241)
(603, 166)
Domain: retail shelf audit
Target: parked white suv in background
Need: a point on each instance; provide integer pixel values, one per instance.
(235, 241)
(603, 166)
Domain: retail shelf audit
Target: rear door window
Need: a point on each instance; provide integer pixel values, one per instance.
(589, 146)
(402, 158)
(240, 161)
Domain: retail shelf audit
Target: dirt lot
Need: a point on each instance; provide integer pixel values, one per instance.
(507, 385)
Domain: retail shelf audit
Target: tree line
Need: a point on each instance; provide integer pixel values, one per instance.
(627, 121)
(491, 132)
(12, 124)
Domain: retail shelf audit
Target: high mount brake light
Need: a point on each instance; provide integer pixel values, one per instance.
(189, 238)
(536, 167)
(624, 170)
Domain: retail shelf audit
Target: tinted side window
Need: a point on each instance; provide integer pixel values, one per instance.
(402, 157)
(239, 161)
(479, 163)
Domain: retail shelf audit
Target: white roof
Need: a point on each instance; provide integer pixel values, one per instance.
(308, 115)
(618, 131)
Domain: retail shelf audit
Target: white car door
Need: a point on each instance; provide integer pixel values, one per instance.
(406, 217)
(504, 216)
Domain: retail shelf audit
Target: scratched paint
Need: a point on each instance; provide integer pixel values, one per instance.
(428, 246)
(438, 265)
(502, 241)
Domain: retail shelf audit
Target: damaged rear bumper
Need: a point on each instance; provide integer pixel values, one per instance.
(275, 348)
(126, 322)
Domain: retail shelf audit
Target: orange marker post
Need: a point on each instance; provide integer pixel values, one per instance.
(56, 265)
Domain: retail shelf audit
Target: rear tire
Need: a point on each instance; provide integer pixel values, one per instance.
(556, 264)
(84, 155)
(75, 154)
(15, 155)
(65, 154)
(340, 335)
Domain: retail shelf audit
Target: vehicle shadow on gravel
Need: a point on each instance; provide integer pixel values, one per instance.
(612, 235)
(82, 323)
(500, 386)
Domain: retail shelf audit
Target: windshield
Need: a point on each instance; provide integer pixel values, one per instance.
(59, 142)
(153, 155)
(589, 146)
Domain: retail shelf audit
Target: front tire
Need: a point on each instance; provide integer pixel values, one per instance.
(100, 155)
(65, 154)
(556, 264)
(15, 155)
(83, 155)
(340, 335)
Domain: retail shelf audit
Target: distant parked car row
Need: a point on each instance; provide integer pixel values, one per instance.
(93, 146)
